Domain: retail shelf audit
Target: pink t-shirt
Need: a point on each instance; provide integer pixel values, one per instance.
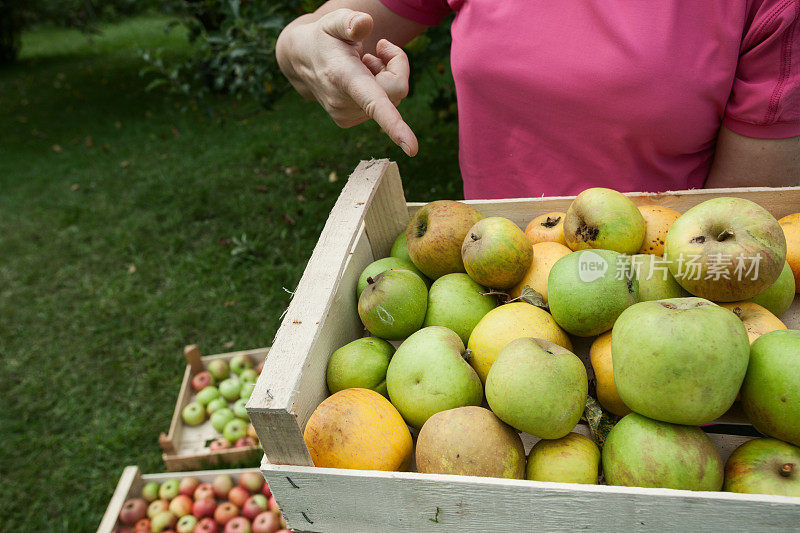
(555, 97)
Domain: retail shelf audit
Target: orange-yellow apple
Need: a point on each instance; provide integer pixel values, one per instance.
(434, 236)
(657, 221)
(726, 249)
(755, 318)
(496, 253)
(791, 229)
(545, 255)
(603, 366)
(546, 228)
(506, 323)
(606, 219)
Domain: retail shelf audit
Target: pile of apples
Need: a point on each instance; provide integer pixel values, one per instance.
(486, 313)
(189, 506)
(221, 393)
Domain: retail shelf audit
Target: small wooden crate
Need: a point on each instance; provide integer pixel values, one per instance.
(186, 447)
(370, 212)
(132, 480)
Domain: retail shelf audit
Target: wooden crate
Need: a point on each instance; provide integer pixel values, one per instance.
(132, 480)
(369, 214)
(185, 447)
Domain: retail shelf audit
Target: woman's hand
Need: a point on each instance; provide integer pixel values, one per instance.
(323, 60)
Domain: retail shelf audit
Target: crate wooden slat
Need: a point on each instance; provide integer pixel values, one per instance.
(132, 480)
(322, 317)
(184, 446)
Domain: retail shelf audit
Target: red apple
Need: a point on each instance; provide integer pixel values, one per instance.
(265, 490)
(132, 511)
(266, 522)
(124, 530)
(255, 505)
(238, 524)
(204, 491)
(238, 495)
(272, 504)
(201, 380)
(252, 481)
(142, 526)
(206, 525)
(244, 442)
(219, 444)
(225, 512)
(260, 367)
(204, 507)
(188, 485)
(180, 505)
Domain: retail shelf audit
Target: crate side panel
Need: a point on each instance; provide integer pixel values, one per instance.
(336, 500)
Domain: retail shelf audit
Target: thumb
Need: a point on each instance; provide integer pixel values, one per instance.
(347, 25)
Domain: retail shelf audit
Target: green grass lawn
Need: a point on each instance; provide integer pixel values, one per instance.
(119, 223)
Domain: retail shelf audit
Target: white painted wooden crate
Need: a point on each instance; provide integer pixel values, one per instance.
(370, 212)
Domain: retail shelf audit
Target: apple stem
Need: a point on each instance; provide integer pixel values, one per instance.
(370, 281)
(467, 355)
(473, 237)
(724, 235)
(786, 470)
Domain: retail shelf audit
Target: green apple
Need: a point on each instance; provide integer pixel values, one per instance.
(570, 459)
(240, 362)
(656, 282)
(469, 441)
(434, 236)
(496, 253)
(150, 491)
(169, 489)
(247, 390)
(399, 248)
(587, 290)
(186, 524)
(248, 375)
(229, 389)
(360, 364)
(640, 452)
(215, 405)
(457, 302)
(538, 387)
(680, 360)
(771, 388)
(221, 417)
(388, 263)
(764, 466)
(239, 410)
(205, 396)
(234, 430)
(605, 219)
(218, 369)
(393, 304)
(428, 374)
(726, 249)
(778, 297)
(193, 414)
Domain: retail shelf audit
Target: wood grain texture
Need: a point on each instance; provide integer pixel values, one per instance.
(320, 319)
(184, 446)
(387, 214)
(778, 201)
(132, 481)
(316, 499)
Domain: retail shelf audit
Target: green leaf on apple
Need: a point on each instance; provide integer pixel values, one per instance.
(600, 421)
(531, 296)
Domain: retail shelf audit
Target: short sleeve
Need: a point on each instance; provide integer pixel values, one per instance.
(765, 97)
(428, 12)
